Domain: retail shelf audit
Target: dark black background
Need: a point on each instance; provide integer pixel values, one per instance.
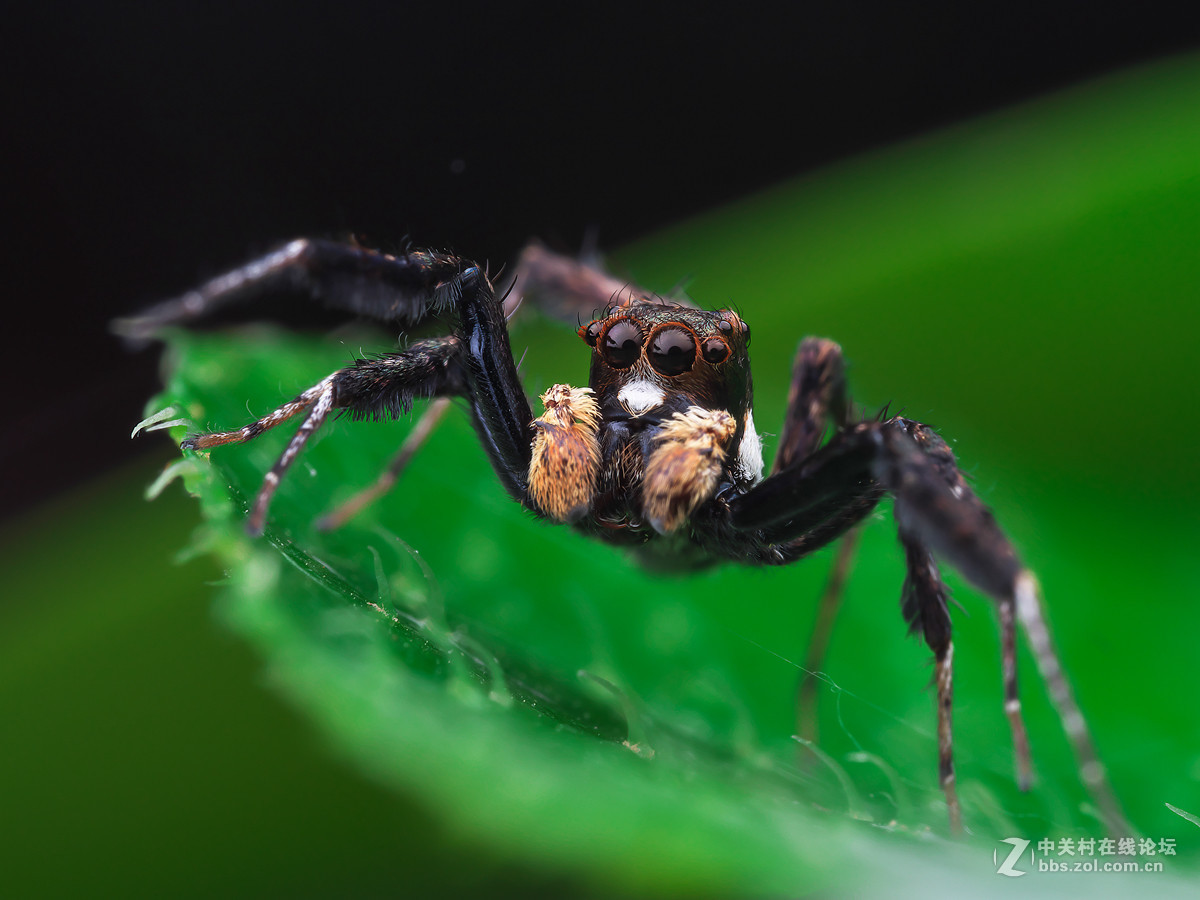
(149, 145)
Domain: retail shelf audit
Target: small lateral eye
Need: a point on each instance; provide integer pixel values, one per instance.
(590, 333)
(672, 351)
(622, 344)
(725, 326)
(715, 351)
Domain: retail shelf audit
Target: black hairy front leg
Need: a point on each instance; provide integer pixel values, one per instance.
(357, 280)
(406, 289)
(370, 388)
(500, 410)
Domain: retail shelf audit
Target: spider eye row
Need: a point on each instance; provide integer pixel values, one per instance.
(670, 349)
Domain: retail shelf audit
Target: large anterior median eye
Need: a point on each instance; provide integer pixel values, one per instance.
(622, 344)
(672, 351)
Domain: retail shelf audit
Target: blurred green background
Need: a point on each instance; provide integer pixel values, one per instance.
(1025, 283)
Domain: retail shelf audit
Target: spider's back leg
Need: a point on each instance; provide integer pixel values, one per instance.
(816, 401)
(817, 404)
(569, 289)
(803, 506)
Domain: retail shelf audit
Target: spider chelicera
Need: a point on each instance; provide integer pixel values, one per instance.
(659, 452)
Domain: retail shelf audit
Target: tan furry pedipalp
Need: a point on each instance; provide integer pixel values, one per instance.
(685, 466)
(566, 453)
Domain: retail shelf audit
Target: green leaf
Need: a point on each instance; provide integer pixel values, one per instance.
(1026, 284)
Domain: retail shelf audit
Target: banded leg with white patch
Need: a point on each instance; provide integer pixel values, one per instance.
(254, 429)
(566, 453)
(934, 502)
(319, 398)
(314, 420)
(925, 604)
(1023, 758)
(962, 531)
(943, 668)
(685, 466)
(1028, 602)
(370, 388)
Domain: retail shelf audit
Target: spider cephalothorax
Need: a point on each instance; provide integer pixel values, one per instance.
(659, 451)
(655, 359)
(647, 443)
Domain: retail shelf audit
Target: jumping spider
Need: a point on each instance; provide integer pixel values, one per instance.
(659, 452)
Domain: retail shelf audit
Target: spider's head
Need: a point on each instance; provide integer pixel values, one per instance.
(653, 359)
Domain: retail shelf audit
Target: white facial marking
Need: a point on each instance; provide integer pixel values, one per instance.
(639, 396)
(750, 455)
